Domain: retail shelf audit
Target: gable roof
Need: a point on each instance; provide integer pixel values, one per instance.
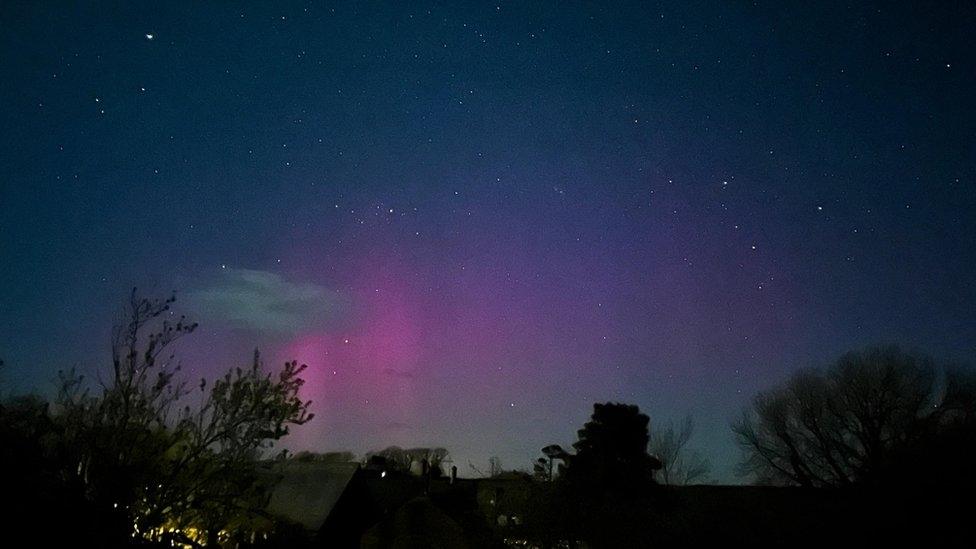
(416, 524)
(308, 491)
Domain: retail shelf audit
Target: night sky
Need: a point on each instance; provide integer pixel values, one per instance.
(473, 221)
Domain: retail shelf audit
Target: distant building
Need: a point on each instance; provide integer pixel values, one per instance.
(345, 505)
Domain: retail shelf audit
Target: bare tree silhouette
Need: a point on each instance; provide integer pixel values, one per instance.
(679, 465)
(853, 422)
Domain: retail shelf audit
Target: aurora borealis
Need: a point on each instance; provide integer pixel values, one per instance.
(473, 220)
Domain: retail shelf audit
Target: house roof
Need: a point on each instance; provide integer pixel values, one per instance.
(308, 491)
(417, 524)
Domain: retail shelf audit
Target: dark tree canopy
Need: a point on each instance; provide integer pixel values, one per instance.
(606, 488)
(543, 467)
(611, 450)
(138, 462)
(399, 459)
(341, 456)
(857, 421)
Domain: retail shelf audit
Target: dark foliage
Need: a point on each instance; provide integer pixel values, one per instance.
(544, 467)
(397, 459)
(125, 464)
(611, 452)
(607, 489)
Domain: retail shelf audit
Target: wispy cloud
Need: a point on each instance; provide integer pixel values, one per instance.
(264, 301)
